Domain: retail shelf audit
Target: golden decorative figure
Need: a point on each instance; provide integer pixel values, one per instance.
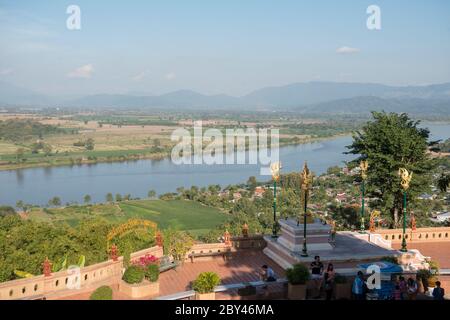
(275, 169)
(406, 178)
(227, 238)
(245, 230)
(413, 222)
(373, 215)
(364, 165)
(306, 177)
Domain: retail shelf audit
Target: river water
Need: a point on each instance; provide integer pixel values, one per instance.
(72, 183)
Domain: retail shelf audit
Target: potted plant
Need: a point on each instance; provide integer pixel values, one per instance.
(297, 277)
(139, 281)
(204, 285)
(102, 293)
(342, 287)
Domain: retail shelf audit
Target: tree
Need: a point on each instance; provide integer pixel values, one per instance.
(87, 199)
(89, 144)
(55, 201)
(47, 149)
(151, 193)
(390, 142)
(177, 243)
(118, 197)
(6, 211)
(109, 197)
(444, 182)
(252, 183)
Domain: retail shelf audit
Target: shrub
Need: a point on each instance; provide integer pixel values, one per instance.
(391, 259)
(206, 282)
(340, 279)
(102, 293)
(152, 272)
(133, 274)
(298, 274)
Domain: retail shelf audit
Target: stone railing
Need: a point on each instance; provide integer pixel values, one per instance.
(59, 284)
(250, 242)
(418, 235)
(64, 282)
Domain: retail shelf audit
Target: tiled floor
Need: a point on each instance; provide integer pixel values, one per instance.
(439, 251)
(242, 267)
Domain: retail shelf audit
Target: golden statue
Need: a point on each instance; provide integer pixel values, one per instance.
(406, 178)
(373, 215)
(306, 177)
(364, 165)
(275, 169)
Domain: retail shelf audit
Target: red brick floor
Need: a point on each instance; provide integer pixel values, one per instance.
(242, 267)
(438, 251)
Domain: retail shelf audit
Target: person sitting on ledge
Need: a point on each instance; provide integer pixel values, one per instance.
(267, 274)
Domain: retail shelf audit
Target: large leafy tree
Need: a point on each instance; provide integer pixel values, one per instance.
(389, 142)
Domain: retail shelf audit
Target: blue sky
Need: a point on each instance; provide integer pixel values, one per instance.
(213, 47)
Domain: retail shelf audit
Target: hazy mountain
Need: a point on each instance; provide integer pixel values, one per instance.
(11, 95)
(361, 105)
(320, 97)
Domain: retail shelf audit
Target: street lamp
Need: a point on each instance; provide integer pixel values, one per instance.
(406, 179)
(306, 182)
(363, 166)
(275, 169)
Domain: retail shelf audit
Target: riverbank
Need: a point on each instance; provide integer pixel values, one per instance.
(96, 157)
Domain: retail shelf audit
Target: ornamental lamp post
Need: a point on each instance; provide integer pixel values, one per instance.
(405, 180)
(275, 169)
(364, 165)
(306, 183)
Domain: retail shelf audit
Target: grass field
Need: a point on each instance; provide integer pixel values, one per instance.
(179, 214)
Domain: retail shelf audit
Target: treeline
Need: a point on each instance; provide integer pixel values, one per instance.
(17, 130)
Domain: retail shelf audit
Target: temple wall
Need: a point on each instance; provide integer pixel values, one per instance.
(418, 235)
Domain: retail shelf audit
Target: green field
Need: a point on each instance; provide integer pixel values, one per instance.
(180, 214)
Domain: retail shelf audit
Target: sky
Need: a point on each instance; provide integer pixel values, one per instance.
(222, 46)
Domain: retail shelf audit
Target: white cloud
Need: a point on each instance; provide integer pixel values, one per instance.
(170, 76)
(138, 77)
(82, 72)
(347, 50)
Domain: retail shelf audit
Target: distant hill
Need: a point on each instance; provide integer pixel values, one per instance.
(363, 105)
(318, 97)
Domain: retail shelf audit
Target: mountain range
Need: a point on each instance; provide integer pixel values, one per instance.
(311, 97)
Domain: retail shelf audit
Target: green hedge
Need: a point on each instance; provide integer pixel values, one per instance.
(133, 274)
(102, 293)
(152, 273)
(298, 274)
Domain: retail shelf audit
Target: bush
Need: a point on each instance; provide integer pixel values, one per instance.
(340, 279)
(102, 293)
(391, 259)
(133, 274)
(206, 282)
(152, 273)
(298, 274)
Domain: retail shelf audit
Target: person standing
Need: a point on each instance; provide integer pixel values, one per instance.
(329, 281)
(403, 288)
(412, 289)
(316, 274)
(438, 292)
(358, 287)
